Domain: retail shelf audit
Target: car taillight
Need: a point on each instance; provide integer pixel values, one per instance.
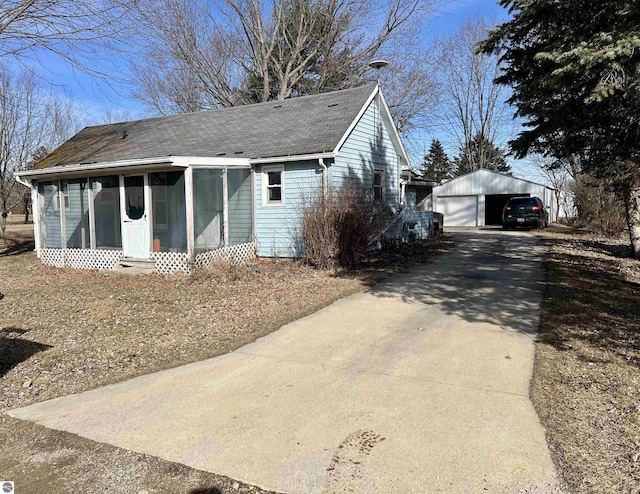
(507, 208)
(536, 208)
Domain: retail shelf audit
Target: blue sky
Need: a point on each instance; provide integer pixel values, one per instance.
(97, 97)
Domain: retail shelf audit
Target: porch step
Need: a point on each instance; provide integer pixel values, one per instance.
(137, 263)
(132, 267)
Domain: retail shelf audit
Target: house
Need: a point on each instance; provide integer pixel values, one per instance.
(186, 189)
(477, 198)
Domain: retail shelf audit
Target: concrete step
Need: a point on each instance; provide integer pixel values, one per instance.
(131, 267)
(137, 263)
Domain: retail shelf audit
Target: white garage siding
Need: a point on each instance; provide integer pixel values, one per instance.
(462, 200)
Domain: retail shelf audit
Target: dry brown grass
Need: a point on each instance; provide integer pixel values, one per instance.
(64, 331)
(586, 382)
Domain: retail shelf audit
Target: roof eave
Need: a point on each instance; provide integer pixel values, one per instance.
(137, 164)
(293, 157)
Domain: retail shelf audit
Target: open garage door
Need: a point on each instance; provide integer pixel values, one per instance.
(458, 210)
(493, 205)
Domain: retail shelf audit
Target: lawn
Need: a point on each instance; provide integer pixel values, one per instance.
(586, 382)
(65, 331)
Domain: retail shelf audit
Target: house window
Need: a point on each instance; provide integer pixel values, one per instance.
(65, 195)
(273, 186)
(378, 185)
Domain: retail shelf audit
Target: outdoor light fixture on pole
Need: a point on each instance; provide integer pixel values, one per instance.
(378, 64)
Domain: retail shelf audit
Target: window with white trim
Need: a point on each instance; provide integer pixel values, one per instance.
(273, 185)
(378, 185)
(65, 195)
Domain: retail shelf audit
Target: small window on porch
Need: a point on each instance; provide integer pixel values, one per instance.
(378, 185)
(273, 186)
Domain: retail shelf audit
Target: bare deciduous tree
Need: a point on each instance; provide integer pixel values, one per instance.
(32, 120)
(77, 31)
(471, 103)
(229, 52)
(558, 174)
(20, 132)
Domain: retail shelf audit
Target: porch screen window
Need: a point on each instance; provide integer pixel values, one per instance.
(239, 206)
(106, 204)
(273, 185)
(76, 215)
(208, 202)
(50, 195)
(378, 185)
(169, 211)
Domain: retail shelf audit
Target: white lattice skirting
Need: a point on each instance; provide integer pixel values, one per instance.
(80, 258)
(171, 262)
(166, 262)
(234, 254)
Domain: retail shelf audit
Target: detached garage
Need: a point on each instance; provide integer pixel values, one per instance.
(477, 199)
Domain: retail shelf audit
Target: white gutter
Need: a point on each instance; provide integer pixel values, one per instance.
(26, 183)
(177, 161)
(295, 157)
(202, 161)
(57, 170)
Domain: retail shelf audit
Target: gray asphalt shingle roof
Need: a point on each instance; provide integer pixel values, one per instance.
(296, 126)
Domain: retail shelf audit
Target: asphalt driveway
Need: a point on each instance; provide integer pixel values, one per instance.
(418, 385)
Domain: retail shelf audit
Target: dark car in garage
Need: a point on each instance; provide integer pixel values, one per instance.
(524, 211)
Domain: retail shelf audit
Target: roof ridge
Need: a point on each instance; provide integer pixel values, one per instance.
(286, 101)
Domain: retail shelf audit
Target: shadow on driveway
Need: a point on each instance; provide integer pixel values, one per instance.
(490, 277)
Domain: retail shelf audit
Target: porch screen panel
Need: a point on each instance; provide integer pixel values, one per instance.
(169, 211)
(208, 208)
(51, 215)
(76, 213)
(239, 204)
(106, 205)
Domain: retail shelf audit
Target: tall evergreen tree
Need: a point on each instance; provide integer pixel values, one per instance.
(573, 66)
(436, 165)
(478, 154)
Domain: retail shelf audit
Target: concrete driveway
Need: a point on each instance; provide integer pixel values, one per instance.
(418, 385)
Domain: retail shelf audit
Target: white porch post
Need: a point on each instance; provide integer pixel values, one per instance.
(123, 212)
(35, 216)
(253, 204)
(188, 196)
(225, 207)
(148, 201)
(63, 224)
(92, 217)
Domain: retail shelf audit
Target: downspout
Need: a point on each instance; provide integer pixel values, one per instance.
(325, 177)
(23, 182)
(35, 211)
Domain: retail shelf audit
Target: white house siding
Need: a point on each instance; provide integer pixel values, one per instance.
(453, 198)
(367, 148)
(51, 218)
(239, 205)
(278, 227)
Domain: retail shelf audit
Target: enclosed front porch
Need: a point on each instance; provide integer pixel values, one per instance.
(176, 218)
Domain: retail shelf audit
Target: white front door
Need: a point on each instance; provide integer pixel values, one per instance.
(135, 225)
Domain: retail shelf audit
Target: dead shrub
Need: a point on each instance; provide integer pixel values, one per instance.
(338, 226)
(599, 209)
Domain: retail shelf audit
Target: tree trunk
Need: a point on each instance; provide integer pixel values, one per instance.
(632, 205)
